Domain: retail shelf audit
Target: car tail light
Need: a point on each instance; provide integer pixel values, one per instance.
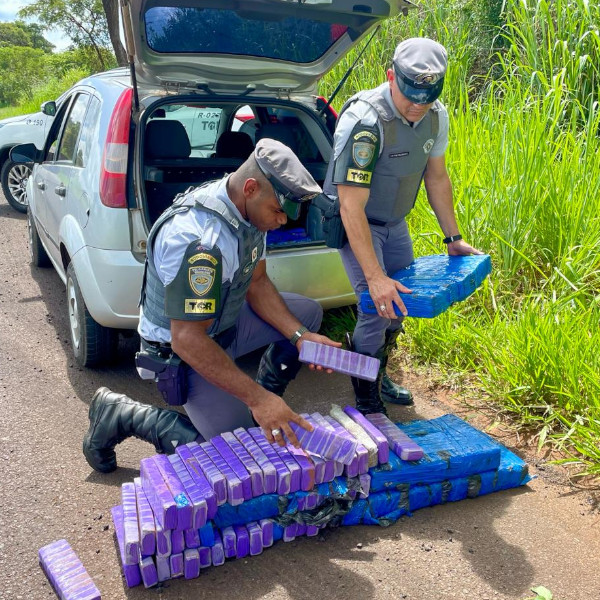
(113, 174)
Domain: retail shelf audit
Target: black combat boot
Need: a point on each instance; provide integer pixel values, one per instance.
(368, 393)
(115, 417)
(392, 392)
(278, 366)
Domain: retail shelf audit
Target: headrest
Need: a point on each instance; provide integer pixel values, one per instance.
(234, 144)
(166, 139)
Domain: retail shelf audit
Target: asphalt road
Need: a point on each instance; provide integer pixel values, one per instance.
(493, 547)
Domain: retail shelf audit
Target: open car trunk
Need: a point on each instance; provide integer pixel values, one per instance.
(188, 140)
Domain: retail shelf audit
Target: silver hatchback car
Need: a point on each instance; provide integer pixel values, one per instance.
(208, 80)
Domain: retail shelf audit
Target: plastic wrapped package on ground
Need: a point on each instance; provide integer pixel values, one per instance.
(437, 282)
(457, 462)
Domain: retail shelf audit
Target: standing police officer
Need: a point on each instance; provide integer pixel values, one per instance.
(388, 140)
(207, 299)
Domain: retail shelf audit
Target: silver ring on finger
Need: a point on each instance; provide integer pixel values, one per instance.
(382, 307)
(275, 432)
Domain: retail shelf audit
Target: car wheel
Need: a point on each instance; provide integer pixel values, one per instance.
(92, 343)
(14, 178)
(37, 253)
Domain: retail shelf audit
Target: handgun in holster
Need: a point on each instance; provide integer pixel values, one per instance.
(328, 207)
(169, 373)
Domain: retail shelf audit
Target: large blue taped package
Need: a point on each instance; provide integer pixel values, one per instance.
(452, 448)
(287, 237)
(385, 507)
(437, 282)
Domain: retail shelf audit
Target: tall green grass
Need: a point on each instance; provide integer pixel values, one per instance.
(524, 160)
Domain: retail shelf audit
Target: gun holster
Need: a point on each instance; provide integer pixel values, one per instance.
(169, 372)
(327, 209)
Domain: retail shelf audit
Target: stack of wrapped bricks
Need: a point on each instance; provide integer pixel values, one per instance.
(236, 495)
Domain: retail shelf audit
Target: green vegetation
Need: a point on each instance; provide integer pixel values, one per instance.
(522, 90)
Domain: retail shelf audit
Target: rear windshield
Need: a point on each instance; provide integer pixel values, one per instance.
(218, 31)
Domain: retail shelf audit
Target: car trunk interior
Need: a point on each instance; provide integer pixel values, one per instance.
(189, 143)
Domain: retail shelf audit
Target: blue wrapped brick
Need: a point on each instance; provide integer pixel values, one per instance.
(437, 282)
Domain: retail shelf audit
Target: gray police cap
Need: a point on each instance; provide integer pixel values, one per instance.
(420, 66)
(292, 183)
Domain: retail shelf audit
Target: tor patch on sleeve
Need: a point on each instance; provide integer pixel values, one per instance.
(356, 162)
(195, 293)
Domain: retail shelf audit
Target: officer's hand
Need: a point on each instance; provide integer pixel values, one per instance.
(384, 293)
(272, 414)
(461, 248)
(320, 339)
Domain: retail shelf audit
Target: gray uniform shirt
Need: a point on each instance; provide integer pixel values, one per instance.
(177, 234)
(363, 112)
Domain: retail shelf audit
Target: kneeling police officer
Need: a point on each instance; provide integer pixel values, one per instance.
(206, 300)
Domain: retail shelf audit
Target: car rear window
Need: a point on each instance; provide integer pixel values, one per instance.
(218, 31)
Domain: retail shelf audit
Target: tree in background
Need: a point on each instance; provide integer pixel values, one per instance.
(21, 68)
(19, 33)
(83, 21)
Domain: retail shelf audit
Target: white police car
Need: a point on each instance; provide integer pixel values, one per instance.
(210, 80)
(20, 130)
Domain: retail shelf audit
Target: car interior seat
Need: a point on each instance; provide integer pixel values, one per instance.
(234, 144)
(278, 131)
(166, 140)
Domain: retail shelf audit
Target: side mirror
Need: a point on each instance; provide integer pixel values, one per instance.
(49, 108)
(25, 154)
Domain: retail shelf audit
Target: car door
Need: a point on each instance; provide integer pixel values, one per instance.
(58, 169)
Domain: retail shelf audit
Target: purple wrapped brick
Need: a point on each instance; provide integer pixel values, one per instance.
(205, 557)
(256, 538)
(177, 541)
(215, 478)
(217, 552)
(235, 463)
(266, 526)
(235, 492)
(203, 489)
(163, 567)
(242, 541)
(148, 571)
(324, 467)
(342, 361)
(256, 474)
(289, 532)
(131, 533)
(183, 503)
(132, 573)
(191, 563)
(357, 432)
(163, 540)
(312, 530)
(268, 469)
(66, 573)
(176, 564)
(320, 421)
(158, 494)
(325, 443)
(147, 525)
(229, 542)
(192, 538)
(307, 481)
(383, 449)
(398, 441)
(283, 473)
(196, 493)
(360, 463)
(300, 529)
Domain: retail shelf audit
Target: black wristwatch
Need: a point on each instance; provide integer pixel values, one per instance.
(452, 238)
(298, 334)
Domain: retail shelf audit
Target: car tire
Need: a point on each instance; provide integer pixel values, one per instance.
(14, 177)
(37, 253)
(93, 344)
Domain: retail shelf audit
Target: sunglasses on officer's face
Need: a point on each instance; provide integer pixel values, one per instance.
(289, 203)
